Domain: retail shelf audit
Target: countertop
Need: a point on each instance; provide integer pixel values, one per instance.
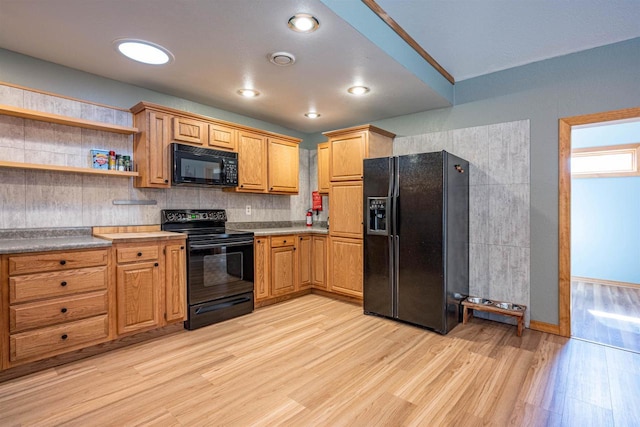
(24, 245)
(279, 231)
(140, 236)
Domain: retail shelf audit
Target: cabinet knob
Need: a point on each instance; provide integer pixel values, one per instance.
(64, 336)
(139, 253)
(166, 181)
(294, 249)
(63, 262)
(63, 284)
(155, 265)
(285, 241)
(181, 247)
(271, 189)
(63, 310)
(241, 185)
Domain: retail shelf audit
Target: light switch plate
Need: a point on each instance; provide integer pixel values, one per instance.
(248, 210)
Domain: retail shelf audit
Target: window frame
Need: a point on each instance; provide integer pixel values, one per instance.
(633, 149)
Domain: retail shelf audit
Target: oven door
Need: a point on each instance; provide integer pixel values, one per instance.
(219, 269)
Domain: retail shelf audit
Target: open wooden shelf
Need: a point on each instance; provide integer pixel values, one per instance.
(9, 110)
(57, 168)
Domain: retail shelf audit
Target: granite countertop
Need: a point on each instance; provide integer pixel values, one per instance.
(44, 239)
(273, 231)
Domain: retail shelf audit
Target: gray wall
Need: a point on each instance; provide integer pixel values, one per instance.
(601, 79)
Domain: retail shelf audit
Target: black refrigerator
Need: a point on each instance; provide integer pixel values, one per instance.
(416, 241)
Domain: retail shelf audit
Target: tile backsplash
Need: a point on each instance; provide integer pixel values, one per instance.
(39, 199)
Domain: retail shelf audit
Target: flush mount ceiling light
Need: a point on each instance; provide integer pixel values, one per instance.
(312, 115)
(358, 90)
(303, 23)
(248, 93)
(282, 58)
(143, 51)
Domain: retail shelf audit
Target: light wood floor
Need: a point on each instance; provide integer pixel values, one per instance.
(606, 314)
(314, 361)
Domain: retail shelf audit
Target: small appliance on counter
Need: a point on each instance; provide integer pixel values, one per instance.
(219, 265)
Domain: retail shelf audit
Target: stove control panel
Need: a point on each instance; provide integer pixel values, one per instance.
(193, 215)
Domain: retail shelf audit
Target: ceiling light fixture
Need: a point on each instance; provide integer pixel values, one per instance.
(303, 23)
(248, 93)
(312, 115)
(143, 51)
(358, 90)
(282, 58)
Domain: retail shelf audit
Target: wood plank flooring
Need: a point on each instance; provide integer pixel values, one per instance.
(314, 361)
(606, 314)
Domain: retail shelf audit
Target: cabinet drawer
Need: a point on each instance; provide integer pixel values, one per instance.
(56, 339)
(138, 253)
(56, 284)
(22, 264)
(279, 241)
(59, 310)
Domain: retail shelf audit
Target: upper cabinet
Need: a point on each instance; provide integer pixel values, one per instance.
(323, 168)
(349, 147)
(267, 162)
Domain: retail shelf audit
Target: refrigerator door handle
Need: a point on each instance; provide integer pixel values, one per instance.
(396, 274)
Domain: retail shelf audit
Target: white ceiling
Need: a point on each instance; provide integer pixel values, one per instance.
(221, 46)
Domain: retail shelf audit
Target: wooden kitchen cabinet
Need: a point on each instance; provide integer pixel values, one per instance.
(252, 162)
(319, 262)
(283, 265)
(323, 168)
(56, 302)
(283, 164)
(190, 130)
(138, 290)
(175, 273)
(304, 261)
(223, 137)
(151, 147)
(262, 267)
(346, 266)
(346, 209)
(348, 147)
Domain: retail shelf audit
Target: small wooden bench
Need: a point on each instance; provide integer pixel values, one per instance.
(469, 306)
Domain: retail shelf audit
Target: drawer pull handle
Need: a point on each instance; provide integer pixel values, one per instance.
(166, 181)
(155, 265)
(63, 284)
(285, 241)
(181, 247)
(63, 310)
(64, 336)
(63, 262)
(139, 253)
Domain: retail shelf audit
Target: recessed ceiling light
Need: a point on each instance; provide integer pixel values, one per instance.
(312, 115)
(303, 23)
(248, 93)
(143, 51)
(282, 58)
(358, 90)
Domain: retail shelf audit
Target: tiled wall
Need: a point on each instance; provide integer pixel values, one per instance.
(39, 199)
(499, 203)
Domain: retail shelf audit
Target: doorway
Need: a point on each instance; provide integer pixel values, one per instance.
(566, 125)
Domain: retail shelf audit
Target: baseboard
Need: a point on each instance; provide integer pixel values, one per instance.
(544, 327)
(604, 282)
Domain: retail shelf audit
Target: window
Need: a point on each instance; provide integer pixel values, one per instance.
(610, 161)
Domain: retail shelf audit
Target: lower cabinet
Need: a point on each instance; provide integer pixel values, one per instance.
(150, 285)
(304, 261)
(346, 266)
(261, 268)
(283, 265)
(319, 262)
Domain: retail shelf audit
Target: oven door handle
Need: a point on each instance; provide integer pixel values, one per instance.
(221, 245)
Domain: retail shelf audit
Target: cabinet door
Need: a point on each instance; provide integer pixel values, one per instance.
(323, 168)
(283, 277)
(158, 155)
(261, 250)
(346, 209)
(138, 297)
(283, 166)
(346, 268)
(304, 262)
(319, 262)
(223, 137)
(190, 130)
(346, 155)
(175, 274)
(252, 162)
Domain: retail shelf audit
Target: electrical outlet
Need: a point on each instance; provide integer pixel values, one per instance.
(248, 210)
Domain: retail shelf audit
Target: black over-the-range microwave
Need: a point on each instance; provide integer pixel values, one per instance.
(203, 166)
